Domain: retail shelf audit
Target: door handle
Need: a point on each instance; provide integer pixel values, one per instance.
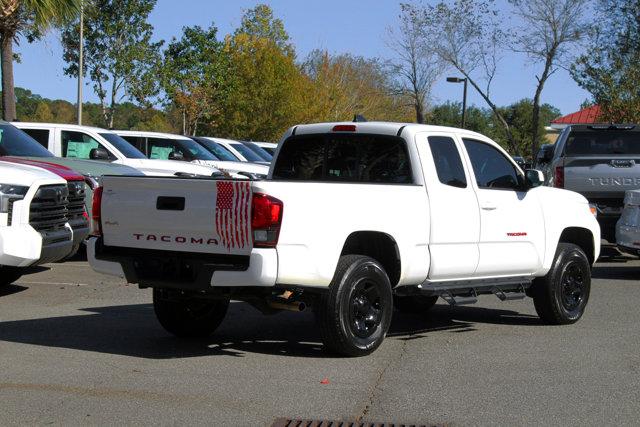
(489, 207)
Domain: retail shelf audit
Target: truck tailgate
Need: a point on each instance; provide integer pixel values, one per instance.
(602, 177)
(177, 214)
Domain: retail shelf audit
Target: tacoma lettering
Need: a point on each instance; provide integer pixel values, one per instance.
(176, 239)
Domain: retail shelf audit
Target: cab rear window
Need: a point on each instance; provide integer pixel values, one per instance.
(602, 142)
(344, 158)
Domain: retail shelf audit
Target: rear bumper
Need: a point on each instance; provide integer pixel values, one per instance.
(22, 246)
(186, 271)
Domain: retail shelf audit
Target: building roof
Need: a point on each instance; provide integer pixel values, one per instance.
(585, 116)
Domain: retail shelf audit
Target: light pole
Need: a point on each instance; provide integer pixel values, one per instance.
(80, 63)
(464, 97)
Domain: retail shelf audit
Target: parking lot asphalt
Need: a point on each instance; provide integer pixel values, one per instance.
(78, 347)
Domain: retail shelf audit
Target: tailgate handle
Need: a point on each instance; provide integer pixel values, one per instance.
(165, 203)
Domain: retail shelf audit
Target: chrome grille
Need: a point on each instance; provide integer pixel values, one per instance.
(76, 207)
(48, 210)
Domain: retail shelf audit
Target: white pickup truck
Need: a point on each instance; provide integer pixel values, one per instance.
(34, 227)
(354, 220)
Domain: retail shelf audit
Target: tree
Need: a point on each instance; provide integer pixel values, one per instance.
(196, 76)
(416, 66)
(465, 35)
(520, 117)
(345, 85)
(259, 22)
(120, 57)
(268, 90)
(610, 70)
(30, 17)
(548, 34)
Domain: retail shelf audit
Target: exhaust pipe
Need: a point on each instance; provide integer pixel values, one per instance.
(290, 306)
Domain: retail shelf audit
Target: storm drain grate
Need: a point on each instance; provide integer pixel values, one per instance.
(288, 422)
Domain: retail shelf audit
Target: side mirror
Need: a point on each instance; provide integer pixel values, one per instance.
(534, 177)
(98, 153)
(176, 155)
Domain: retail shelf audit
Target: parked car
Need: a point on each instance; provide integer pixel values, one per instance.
(18, 144)
(77, 216)
(351, 215)
(601, 163)
(34, 227)
(238, 150)
(166, 146)
(269, 147)
(628, 226)
(543, 158)
(90, 143)
(264, 154)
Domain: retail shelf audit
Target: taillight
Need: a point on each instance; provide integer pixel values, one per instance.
(266, 218)
(558, 177)
(96, 212)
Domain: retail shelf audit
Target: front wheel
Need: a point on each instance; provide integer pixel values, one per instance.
(355, 314)
(187, 316)
(561, 296)
(8, 275)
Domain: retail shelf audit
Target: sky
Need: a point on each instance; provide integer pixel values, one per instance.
(340, 26)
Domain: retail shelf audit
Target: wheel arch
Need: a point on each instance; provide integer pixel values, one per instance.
(378, 245)
(582, 237)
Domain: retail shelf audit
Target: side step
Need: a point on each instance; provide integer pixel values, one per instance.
(466, 291)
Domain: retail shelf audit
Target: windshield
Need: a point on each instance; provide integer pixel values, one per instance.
(121, 144)
(196, 150)
(247, 153)
(605, 142)
(14, 142)
(259, 151)
(220, 152)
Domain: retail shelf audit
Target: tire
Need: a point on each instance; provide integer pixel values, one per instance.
(414, 303)
(561, 296)
(355, 314)
(8, 275)
(186, 316)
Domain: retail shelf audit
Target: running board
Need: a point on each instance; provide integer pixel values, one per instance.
(462, 292)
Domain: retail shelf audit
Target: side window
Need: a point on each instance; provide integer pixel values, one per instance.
(491, 168)
(137, 141)
(79, 145)
(161, 148)
(40, 135)
(447, 160)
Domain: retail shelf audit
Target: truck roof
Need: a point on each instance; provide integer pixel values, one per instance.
(150, 134)
(382, 128)
(58, 125)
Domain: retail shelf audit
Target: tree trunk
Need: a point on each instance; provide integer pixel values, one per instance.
(8, 90)
(535, 122)
(496, 112)
(419, 112)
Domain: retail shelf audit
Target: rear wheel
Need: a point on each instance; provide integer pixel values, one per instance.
(414, 303)
(561, 296)
(9, 275)
(355, 314)
(187, 316)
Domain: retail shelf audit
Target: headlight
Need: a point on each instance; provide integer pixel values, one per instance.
(9, 193)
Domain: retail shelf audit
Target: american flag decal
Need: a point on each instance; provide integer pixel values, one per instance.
(232, 213)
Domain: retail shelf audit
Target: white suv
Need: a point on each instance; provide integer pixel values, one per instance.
(91, 143)
(167, 146)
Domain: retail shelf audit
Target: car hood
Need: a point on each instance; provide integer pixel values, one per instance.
(235, 166)
(168, 167)
(62, 171)
(89, 167)
(24, 174)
